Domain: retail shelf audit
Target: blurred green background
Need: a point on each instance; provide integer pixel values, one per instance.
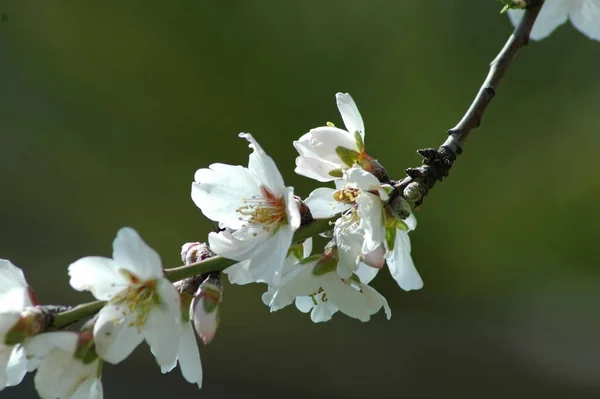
(107, 109)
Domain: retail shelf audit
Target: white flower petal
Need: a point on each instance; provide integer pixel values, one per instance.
(376, 300)
(116, 335)
(16, 367)
(366, 273)
(98, 275)
(264, 167)
(90, 389)
(323, 312)
(325, 140)
(411, 222)
(130, 252)
(359, 178)
(189, 356)
(553, 14)
(10, 276)
(350, 115)
(585, 16)
(304, 304)
(322, 205)
(220, 191)
(304, 283)
(239, 273)
(349, 241)
(316, 169)
(292, 208)
(370, 213)
(347, 299)
(401, 265)
(162, 332)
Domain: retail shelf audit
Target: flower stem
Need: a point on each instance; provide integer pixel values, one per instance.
(218, 263)
(79, 312)
(214, 264)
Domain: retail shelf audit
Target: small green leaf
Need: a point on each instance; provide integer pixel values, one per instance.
(336, 173)
(325, 265)
(360, 144)
(390, 237)
(296, 250)
(348, 156)
(401, 225)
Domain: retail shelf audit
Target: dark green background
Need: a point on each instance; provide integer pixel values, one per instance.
(107, 108)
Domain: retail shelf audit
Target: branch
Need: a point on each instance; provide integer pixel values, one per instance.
(437, 162)
(214, 264)
(218, 263)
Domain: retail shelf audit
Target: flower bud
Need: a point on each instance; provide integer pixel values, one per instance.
(193, 252)
(204, 310)
(25, 324)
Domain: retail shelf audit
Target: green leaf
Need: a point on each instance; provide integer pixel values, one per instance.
(401, 225)
(348, 156)
(296, 250)
(325, 265)
(360, 144)
(390, 237)
(336, 173)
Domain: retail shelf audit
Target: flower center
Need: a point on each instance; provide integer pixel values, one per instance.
(265, 209)
(347, 195)
(318, 297)
(139, 298)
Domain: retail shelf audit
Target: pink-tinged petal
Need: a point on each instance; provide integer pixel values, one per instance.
(116, 335)
(553, 14)
(292, 208)
(350, 115)
(10, 276)
(98, 275)
(130, 252)
(221, 190)
(370, 213)
(585, 16)
(263, 167)
(322, 205)
(325, 140)
(347, 299)
(401, 265)
(316, 169)
(16, 368)
(366, 273)
(357, 177)
(375, 259)
(162, 332)
(323, 312)
(205, 322)
(189, 357)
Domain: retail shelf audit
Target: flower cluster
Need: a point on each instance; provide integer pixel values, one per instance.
(258, 215)
(137, 304)
(137, 301)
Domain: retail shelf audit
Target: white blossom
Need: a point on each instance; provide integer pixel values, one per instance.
(315, 286)
(67, 366)
(398, 258)
(142, 303)
(15, 297)
(325, 152)
(257, 211)
(359, 233)
(583, 14)
(188, 355)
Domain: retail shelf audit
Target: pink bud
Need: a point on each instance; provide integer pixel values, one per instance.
(204, 310)
(376, 258)
(193, 252)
